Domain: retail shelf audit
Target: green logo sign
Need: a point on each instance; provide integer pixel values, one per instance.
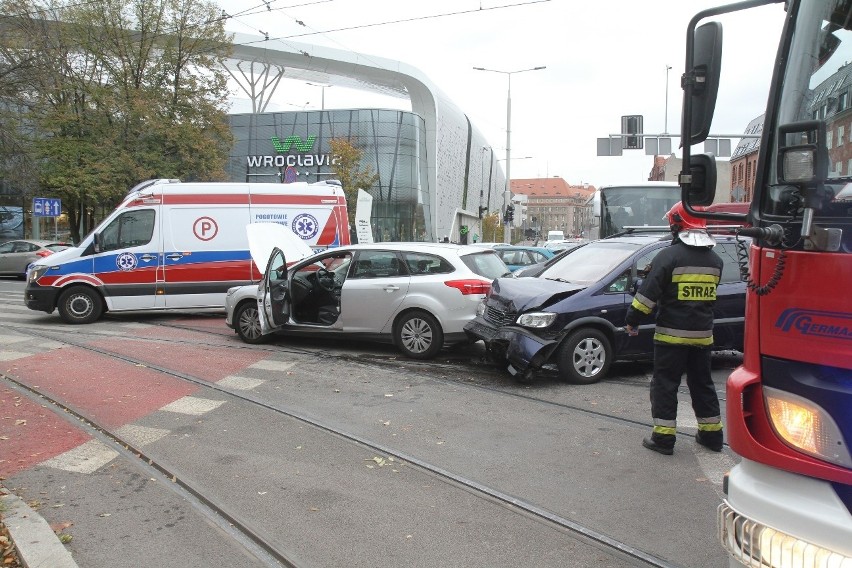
(301, 146)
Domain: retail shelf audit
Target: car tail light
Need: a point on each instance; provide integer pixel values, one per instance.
(44, 253)
(468, 287)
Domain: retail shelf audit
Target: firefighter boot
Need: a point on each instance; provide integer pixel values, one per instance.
(710, 440)
(662, 443)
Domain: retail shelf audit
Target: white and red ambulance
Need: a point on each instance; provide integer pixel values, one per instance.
(173, 245)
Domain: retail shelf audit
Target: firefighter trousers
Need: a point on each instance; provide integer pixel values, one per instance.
(670, 364)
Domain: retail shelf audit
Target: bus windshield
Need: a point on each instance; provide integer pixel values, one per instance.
(635, 206)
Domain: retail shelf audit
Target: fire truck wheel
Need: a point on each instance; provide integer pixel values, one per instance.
(247, 323)
(584, 358)
(80, 304)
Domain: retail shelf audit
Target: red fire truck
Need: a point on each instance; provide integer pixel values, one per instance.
(788, 502)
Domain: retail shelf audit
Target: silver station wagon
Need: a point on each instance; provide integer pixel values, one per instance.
(417, 295)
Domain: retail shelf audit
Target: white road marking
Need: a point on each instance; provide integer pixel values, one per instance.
(7, 339)
(240, 383)
(714, 464)
(273, 365)
(136, 325)
(12, 355)
(140, 435)
(85, 458)
(192, 405)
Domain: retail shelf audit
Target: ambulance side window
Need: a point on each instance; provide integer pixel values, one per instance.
(130, 229)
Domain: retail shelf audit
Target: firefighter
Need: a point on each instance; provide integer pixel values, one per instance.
(682, 287)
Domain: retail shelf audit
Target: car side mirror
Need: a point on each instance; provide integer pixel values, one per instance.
(637, 283)
(96, 242)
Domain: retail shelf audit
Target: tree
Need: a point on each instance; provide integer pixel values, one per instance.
(113, 92)
(346, 165)
(492, 228)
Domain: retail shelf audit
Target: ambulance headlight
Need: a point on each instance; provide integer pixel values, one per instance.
(806, 427)
(536, 319)
(35, 272)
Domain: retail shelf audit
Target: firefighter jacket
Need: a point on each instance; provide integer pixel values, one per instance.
(682, 287)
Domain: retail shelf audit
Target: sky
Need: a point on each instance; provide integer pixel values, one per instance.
(602, 60)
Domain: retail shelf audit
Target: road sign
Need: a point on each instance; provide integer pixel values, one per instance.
(47, 207)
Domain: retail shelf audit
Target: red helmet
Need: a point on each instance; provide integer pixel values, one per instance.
(680, 220)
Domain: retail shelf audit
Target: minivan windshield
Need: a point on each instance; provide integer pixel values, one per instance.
(592, 262)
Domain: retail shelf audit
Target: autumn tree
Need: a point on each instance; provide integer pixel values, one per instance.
(112, 92)
(492, 228)
(347, 166)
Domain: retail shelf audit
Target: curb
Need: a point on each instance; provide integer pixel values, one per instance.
(36, 543)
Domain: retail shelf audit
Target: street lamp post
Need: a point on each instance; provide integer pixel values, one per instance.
(507, 196)
(666, 118)
(323, 92)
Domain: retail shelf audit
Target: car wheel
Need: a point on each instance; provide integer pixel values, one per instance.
(418, 335)
(247, 323)
(80, 304)
(584, 357)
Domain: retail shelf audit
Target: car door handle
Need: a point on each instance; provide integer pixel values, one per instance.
(390, 288)
(147, 257)
(174, 256)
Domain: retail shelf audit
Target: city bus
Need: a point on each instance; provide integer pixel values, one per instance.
(644, 204)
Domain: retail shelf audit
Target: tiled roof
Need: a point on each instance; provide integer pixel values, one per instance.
(552, 186)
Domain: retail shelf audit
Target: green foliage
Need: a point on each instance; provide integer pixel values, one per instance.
(352, 175)
(105, 94)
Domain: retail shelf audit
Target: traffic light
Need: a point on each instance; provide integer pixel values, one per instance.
(510, 213)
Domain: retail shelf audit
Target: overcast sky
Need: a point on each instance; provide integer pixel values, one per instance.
(603, 59)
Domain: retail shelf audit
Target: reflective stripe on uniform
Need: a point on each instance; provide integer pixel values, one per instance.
(683, 336)
(643, 304)
(696, 274)
(711, 424)
(665, 427)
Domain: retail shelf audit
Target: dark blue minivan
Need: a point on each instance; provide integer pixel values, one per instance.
(572, 314)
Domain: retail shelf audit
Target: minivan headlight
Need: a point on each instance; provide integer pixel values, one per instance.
(480, 308)
(536, 319)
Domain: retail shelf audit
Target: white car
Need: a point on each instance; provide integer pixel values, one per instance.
(417, 295)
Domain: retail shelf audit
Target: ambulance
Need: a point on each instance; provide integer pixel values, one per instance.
(174, 245)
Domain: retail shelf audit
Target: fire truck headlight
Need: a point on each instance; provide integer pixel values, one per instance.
(805, 426)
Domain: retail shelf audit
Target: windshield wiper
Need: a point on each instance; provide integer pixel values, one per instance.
(560, 280)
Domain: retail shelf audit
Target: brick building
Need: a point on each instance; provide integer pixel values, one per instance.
(744, 163)
(552, 204)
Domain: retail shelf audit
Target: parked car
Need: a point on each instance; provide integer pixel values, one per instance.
(16, 256)
(562, 244)
(539, 267)
(417, 295)
(517, 257)
(573, 313)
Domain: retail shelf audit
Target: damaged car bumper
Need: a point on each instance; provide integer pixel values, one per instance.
(523, 350)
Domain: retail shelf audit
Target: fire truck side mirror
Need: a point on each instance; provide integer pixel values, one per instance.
(702, 189)
(704, 79)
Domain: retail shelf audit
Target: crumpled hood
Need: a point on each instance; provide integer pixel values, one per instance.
(524, 294)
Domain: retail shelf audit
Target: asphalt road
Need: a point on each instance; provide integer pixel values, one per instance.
(174, 444)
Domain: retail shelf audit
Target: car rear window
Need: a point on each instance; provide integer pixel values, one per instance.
(486, 264)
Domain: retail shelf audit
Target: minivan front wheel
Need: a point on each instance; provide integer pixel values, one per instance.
(418, 335)
(585, 357)
(80, 304)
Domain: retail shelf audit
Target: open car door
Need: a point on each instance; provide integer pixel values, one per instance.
(273, 294)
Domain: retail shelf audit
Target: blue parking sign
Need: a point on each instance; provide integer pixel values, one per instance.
(47, 207)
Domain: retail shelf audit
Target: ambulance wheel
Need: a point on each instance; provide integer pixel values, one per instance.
(247, 323)
(584, 358)
(418, 335)
(80, 304)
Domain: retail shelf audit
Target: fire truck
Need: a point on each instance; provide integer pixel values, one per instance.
(788, 502)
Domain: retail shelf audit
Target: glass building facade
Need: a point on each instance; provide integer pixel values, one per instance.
(283, 147)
